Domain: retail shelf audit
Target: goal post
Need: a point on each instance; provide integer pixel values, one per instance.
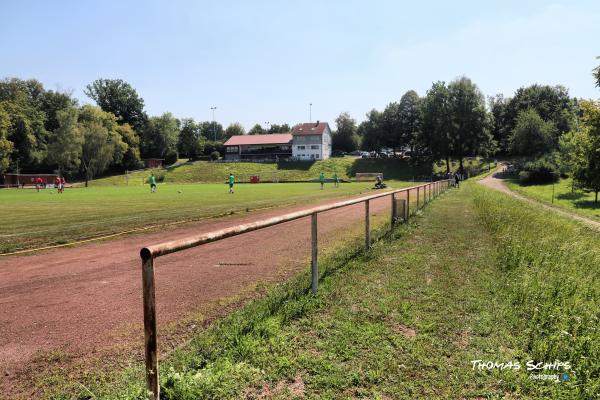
(368, 176)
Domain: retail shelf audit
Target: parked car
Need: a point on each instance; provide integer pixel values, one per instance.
(364, 154)
(338, 153)
(356, 153)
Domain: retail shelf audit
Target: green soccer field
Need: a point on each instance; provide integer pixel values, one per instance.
(31, 219)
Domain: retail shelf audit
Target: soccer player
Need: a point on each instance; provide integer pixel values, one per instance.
(322, 180)
(38, 183)
(57, 184)
(336, 180)
(152, 182)
(231, 182)
(62, 184)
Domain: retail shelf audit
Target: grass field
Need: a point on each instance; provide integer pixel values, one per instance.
(31, 219)
(345, 168)
(575, 201)
(480, 276)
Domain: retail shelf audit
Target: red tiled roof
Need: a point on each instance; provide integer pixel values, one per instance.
(275, 138)
(310, 128)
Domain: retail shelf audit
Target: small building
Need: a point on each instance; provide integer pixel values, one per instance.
(153, 162)
(271, 147)
(312, 141)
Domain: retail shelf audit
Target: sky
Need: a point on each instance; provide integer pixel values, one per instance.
(266, 61)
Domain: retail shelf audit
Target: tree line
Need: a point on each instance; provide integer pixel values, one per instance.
(44, 130)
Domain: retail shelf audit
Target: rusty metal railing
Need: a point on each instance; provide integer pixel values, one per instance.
(148, 254)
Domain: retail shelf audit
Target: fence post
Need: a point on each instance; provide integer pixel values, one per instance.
(313, 264)
(407, 204)
(394, 211)
(430, 192)
(367, 227)
(150, 327)
(418, 197)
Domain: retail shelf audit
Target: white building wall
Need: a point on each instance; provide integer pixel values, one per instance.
(312, 147)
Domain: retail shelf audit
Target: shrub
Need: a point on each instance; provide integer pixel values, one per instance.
(214, 155)
(539, 172)
(171, 157)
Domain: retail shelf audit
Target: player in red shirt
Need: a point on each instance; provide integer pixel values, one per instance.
(38, 183)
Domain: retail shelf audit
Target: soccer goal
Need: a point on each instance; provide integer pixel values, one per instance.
(368, 176)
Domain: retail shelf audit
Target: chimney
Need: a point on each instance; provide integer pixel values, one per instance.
(317, 124)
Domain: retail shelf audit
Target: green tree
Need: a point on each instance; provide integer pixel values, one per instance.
(276, 128)
(234, 129)
(66, 145)
(345, 137)
(410, 120)
(499, 122)
(468, 130)
(434, 138)
(97, 151)
(371, 131)
(120, 98)
(6, 146)
(131, 157)
(256, 130)
(160, 136)
(51, 103)
(532, 135)
(586, 153)
(190, 136)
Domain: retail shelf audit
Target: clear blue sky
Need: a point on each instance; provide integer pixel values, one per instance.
(260, 61)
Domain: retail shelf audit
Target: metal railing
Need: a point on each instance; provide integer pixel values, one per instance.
(148, 254)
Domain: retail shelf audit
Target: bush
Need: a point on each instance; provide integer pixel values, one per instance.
(171, 157)
(214, 155)
(539, 172)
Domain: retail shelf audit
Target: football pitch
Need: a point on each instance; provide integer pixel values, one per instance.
(31, 219)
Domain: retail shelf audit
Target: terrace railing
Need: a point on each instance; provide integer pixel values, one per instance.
(424, 194)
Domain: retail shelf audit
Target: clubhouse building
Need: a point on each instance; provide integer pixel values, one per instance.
(309, 141)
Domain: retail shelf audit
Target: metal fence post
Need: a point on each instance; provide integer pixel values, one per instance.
(367, 227)
(313, 264)
(150, 327)
(407, 204)
(394, 211)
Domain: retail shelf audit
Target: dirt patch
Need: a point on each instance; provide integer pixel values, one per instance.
(87, 300)
(292, 389)
(404, 330)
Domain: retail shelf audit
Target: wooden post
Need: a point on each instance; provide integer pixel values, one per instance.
(418, 198)
(150, 327)
(367, 227)
(313, 264)
(394, 212)
(430, 192)
(407, 204)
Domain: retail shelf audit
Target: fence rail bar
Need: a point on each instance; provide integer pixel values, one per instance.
(165, 248)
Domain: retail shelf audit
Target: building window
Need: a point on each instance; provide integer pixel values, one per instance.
(317, 156)
(232, 149)
(314, 147)
(301, 147)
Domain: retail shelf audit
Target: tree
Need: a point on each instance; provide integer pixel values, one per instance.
(256, 130)
(532, 135)
(51, 103)
(159, 136)
(468, 130)
(97, 150)
(66, 145)
(371, 131)
(275, 128)
(213, 131)
(434, 138)
(345, 137)
(120, 98)
(189, 137)
(552, 103)
(6, 146)
(410, 120)
(234, 129)
(586, 158)
(131, 157)
(499, 122)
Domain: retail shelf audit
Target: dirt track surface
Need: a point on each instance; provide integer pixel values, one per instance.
(494, 181)
(82, 299)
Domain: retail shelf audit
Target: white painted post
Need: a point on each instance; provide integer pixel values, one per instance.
(313, 264)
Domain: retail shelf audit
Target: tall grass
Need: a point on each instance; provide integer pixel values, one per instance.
(551, 281)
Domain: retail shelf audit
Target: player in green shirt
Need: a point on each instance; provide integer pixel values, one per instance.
(152, 182)
(231, 182)
(322, 180)
(336, 180)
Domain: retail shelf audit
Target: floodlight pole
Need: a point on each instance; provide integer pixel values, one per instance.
(310, 112)
(213, 120)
